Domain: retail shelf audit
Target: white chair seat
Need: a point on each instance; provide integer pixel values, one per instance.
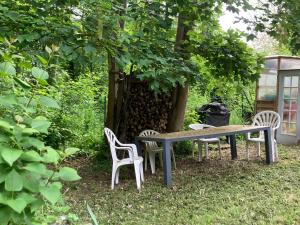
(127, 161)
(206, 141)
(211, 140)
(137, 161)
(256, 139)
(152, 149)
(264, 118)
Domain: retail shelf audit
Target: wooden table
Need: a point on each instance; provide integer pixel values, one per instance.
(168, 138)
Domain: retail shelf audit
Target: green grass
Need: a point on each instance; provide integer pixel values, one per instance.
(211, 192)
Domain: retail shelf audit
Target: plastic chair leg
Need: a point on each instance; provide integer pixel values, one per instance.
(206, 149)
(137, 174)
(142, 172)
(146, 160)
(161, 159)
(113, 176)
(219, 146)
(258, 148)
(247, 150)
(200, 151)
(117, 175)
(152, 162)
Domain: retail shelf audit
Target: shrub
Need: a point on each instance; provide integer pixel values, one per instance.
(30, 171)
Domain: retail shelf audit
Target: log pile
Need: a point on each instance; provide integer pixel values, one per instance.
(146, 110)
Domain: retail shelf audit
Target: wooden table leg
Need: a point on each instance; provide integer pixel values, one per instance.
(233, 147)
(167, 163)
(269, 145)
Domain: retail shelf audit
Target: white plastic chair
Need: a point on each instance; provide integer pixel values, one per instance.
(206, 141)
(264, 118)
(152, 149)
(133, 158)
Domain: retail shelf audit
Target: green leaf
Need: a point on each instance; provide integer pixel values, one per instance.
(13, 181)
(27, 197)
(35, 167)
(48, 102)
(22, 83)
(71, 151)
(31, 156)
(8, 68)
(39, 73)
(30, 141)
(51, 193)
(41, 124)
(36, 205)
(17, 204)
(30, 131)
(4, 138)
(5, 124)
(42, 60)
(5, 215)
(68, 174)
(92, 215)
(31, 181)
(11, 155)
(49, 50)
(51, 156)
(3, 173)
(8, 100)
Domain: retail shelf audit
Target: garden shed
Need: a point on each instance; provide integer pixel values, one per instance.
(278, 90)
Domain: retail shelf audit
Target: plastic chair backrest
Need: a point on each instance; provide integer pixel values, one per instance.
(149, 144)
(267, 118)
(111, 137)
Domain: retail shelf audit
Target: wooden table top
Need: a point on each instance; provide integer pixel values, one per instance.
(204, 133)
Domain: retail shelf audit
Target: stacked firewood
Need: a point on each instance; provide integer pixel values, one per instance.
(146, 110)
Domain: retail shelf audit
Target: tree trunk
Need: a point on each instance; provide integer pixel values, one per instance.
(180, 93)
(115, 86)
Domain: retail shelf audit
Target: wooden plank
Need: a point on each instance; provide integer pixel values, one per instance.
(204, 133)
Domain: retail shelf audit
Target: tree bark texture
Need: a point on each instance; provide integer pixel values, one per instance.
(180, 93)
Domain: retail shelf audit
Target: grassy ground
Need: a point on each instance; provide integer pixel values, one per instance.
(211, 192)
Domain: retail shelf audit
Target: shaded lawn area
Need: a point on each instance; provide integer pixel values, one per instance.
(211, 192)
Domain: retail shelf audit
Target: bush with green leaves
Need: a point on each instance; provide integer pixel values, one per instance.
(80, 120)
(31, 174)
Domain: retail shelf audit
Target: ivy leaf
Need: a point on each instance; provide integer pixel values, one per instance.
(68, 174)
(39, 73)
(11, 155)
(8, 68)
(51, 193)
(48, 102)
(41, 124)
(13, 181)
(17, 204)
(31, 156)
